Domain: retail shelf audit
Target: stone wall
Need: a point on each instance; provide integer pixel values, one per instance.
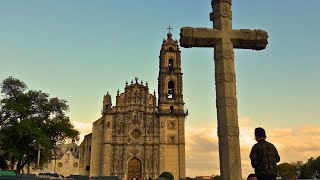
(85, 155)
(97, 147)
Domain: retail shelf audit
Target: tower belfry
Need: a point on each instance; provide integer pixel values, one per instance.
(170, 78)
(171, 108)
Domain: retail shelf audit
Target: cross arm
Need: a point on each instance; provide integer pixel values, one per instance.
(204, 37)
(249, 39)
(199, 37)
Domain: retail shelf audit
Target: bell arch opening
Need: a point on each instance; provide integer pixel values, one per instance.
(170, 89)
(170, 64)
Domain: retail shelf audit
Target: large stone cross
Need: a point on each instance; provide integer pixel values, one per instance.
(224, 39)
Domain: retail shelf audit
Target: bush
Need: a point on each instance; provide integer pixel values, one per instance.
(216, 178)
(167, 175)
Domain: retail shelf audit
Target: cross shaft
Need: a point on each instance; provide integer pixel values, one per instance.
(224, 39)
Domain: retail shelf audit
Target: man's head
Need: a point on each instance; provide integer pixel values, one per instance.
(260, 133)
(252, 177)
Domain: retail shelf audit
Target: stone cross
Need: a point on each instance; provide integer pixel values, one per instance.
(224, 39)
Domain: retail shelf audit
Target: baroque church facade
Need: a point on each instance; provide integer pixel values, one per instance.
(141, 135)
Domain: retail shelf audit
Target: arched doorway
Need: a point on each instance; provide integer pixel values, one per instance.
(134, 168)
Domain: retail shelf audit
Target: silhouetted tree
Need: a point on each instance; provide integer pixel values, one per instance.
(308, 170)
(288, 170)
(30, 119)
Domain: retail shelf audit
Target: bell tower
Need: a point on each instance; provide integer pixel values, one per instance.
(171, 109)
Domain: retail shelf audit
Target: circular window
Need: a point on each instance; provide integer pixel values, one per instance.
(75, 164)
(60, 164)
(135, 134)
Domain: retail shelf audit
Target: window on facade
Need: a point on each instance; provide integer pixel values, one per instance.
(89, 148)
(71, 149)
(87, 168)
(171, 109)
(170, 89)
(170, 64)
(170, 49)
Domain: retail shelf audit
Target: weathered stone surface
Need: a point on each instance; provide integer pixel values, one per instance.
(224, 39)
(242, 39)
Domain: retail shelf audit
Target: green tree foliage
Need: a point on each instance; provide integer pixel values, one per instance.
(316, 167)
(30, 119)
(311, 169)
(307, 171)
(288, 170)
(167, 175)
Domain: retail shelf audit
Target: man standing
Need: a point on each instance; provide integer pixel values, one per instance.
(264, 157)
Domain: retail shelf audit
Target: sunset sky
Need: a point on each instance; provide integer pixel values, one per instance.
(79, 49)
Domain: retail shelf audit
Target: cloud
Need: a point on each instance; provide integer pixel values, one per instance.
(83, 127)
(293, 144)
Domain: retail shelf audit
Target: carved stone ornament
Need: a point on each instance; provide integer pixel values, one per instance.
(135, 117)
(118, 167)
(120, 128)
(161, 124)
(172, 125)
(135, 134)
(150, 128)
(135, 152)
(171, 139)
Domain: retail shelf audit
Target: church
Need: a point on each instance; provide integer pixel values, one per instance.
(142, 135)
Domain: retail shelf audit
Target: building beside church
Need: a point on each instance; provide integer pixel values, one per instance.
(64, 162)
(141, 135)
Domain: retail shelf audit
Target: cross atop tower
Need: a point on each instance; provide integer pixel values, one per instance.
(169, 28)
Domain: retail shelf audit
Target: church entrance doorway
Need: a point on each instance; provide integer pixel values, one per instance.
(134, 168)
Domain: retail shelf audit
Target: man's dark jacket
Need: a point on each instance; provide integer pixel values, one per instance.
(264, 157)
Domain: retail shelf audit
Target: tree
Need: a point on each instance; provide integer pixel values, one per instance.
(30, 119)
(288, 171)
(307, 170)
(316, 167)
(167, 175)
